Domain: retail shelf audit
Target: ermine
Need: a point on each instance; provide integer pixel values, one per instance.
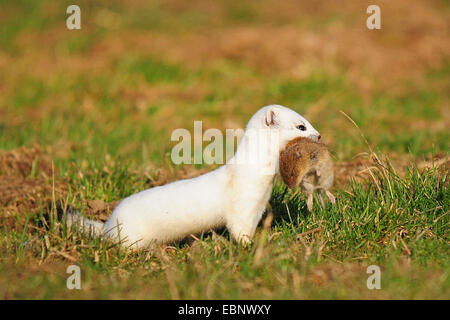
(309, 164)
(234, 195)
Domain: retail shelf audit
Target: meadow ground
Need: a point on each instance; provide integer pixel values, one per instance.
(86, 117)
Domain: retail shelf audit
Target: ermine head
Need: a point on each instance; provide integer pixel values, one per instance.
(288, 123)
(268, 132)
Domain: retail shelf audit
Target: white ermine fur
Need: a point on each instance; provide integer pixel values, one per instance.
(234, 195)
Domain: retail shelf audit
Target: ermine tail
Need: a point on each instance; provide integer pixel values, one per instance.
(86, 225)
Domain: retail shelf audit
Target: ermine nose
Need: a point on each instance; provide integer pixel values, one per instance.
(318, 138)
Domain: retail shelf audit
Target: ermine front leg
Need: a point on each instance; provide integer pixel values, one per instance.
(243, 228)
(244, 219)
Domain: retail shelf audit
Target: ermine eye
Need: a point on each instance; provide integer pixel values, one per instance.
(301, 127)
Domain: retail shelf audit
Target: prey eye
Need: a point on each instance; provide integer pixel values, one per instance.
(301, 127)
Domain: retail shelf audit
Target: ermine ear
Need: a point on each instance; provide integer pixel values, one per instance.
(271, 117)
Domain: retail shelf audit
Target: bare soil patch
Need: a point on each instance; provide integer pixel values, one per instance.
(363, 166)
(27, 184)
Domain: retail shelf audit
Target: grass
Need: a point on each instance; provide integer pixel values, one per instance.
(397, 223)
(102, 103)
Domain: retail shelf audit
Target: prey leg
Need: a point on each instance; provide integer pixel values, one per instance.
(294, 194)
(310, 202)
(331, 197)
(321, 199)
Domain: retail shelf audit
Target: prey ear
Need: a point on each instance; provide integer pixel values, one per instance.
(271, 117)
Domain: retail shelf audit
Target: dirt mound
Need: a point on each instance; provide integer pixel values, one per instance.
(100, 210)
(24, 162)
(27, 184)
(362, 167)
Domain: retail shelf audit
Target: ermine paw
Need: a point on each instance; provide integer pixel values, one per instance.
(245, 240)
